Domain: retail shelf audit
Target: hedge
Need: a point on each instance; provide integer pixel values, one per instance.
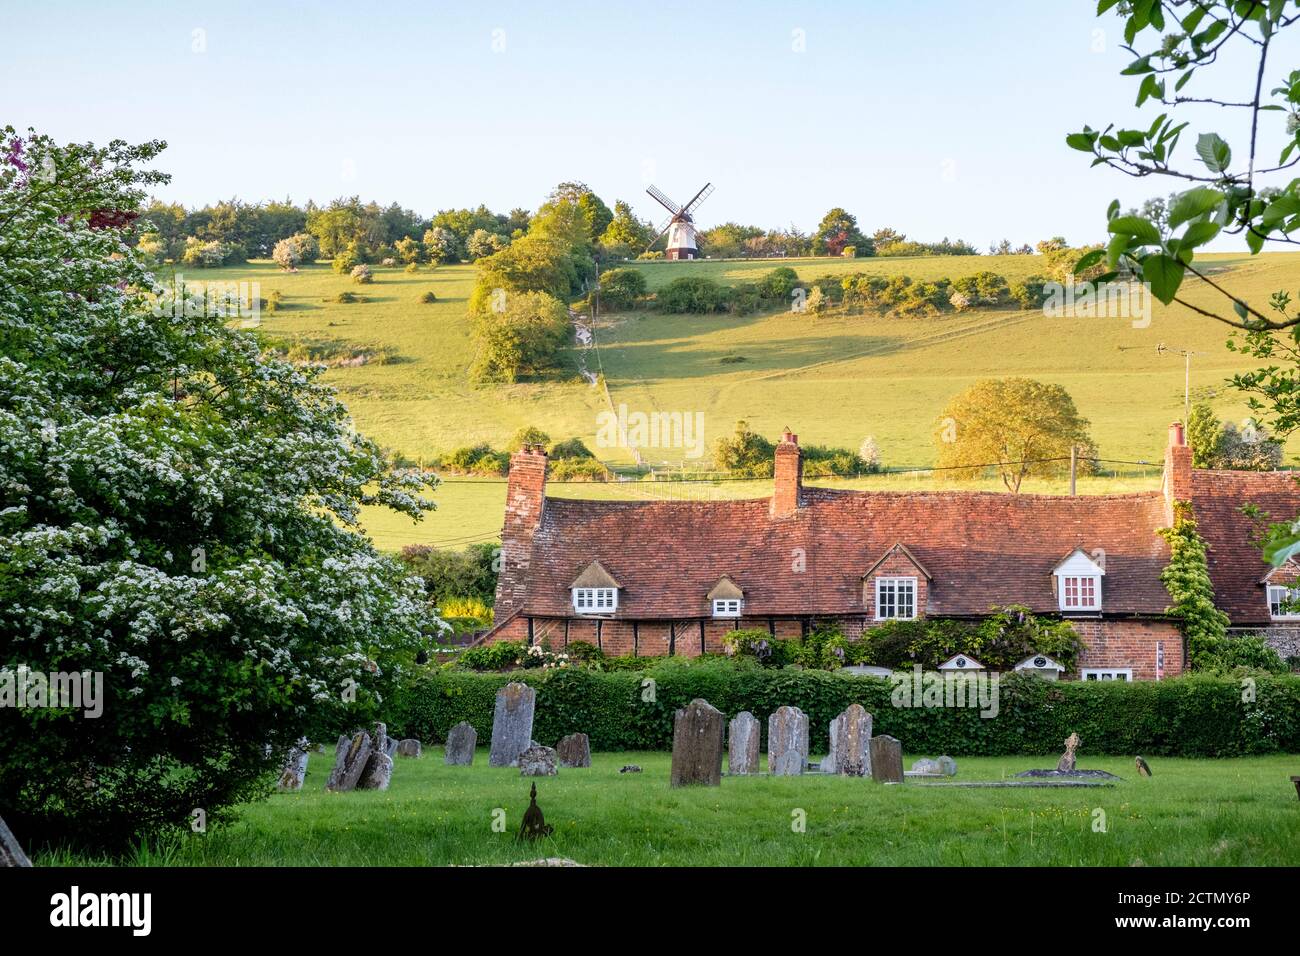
(1191, 716)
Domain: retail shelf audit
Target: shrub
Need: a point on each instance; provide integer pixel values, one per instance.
(362, 275)
(1192, 716)
(578, 469)
(570, 448)
(469, 574)
(525, 337)
(412, 267)
(696, 294)
(428, 298)
(528, 435)
(621, 288)
(491, 657)
(746, 297)
(480, 459)
(779, 283)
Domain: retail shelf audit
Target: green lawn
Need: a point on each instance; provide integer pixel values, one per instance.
(833, 379)
(1239, 812)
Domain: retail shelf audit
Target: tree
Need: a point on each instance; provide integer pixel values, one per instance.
(572, 214)
(621, 288)
(869, 455)
(483, 243)
(523, 337)
(409, 250)
(530, 264)
(440, 245)
(1022, 427)
(837, 230)
(528, 435)
(745, 453)
(626, 235)
(294, 251)
(180, 515)
(1204, 435)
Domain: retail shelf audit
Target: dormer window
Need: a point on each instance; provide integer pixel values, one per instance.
(1283, 603)
(1078, 583)
(726, 598)
(895, 599)
(595, 591)
(595, 600)
(726, 607)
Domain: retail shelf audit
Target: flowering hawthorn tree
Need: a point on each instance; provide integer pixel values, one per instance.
(178, 512)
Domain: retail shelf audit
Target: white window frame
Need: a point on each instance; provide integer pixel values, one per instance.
(1286, 594)
(595, 600)
(895, 582)
(1064, 587)
(727, 607)
(1100, 673)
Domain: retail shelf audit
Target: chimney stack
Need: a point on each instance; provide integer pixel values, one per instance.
(1178, 469)
(525, 502)
(788, 475)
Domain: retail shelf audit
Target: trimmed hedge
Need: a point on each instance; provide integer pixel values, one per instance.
(1192, 716)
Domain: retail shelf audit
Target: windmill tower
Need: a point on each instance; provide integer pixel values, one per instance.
(679, 226)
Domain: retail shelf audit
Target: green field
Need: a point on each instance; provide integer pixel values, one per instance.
(834, 379)
(1239, 812)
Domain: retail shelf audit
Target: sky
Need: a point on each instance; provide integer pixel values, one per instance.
(934, 117)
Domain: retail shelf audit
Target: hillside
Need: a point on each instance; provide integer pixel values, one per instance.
(833, 379)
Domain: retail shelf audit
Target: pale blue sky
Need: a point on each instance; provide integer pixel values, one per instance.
(936, 117)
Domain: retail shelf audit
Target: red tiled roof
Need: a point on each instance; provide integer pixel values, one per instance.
(1236, 565)
(983, 549)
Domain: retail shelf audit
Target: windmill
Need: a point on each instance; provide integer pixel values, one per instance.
(679, 226)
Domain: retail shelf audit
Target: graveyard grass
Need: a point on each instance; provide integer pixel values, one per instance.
(1232, 812)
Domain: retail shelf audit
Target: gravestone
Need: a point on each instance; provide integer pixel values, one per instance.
(512, 724)
(947, 766)
(461, 741)
(697, 745)
(574, 751)
(538, 762)
(350, 759)
(886, 760)
(379, 768)
(11, 854)
(391, 747)
(939, 766)
(295, 768)
(410, 747)
(742, 743)
(787, 742)
(1066, 763)
(850, 739)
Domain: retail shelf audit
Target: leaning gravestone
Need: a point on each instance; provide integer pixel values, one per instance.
(574, 751)
(940, 766)
(350, 759)
(295, 768)
(850, 742)
(886, 760)
(697, 745)
(461, 741)
(787, 742)
(742, 743)
(11, 854)
(512, 724)
(410, 747)
(379, 768)
(538, 761)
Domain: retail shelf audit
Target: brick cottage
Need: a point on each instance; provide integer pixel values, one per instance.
(673, 577)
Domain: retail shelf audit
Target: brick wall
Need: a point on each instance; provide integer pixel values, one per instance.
(1130, 644)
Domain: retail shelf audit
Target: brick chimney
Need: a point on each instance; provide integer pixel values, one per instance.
(525, 502)
(789, 476)
(1178, 469)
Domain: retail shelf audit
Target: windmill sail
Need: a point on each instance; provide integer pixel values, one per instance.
(680, 226)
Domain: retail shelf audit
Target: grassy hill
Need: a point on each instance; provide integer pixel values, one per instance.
(832, 379)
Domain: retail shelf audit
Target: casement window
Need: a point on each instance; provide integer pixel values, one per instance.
(1283, 603)
(1107, 673)
(1080, 592)
(895, 599)
(595, 600)
(726, 607)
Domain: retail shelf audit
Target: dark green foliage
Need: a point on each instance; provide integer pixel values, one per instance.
(779, 283)
(470, 572)
(621, 288)
(745, 453)
(428, 298)
(698, 294)
(481, 459)
(578, 469)
(570, 448)
(1195, 716)
(1000, 641)
(746, 297)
